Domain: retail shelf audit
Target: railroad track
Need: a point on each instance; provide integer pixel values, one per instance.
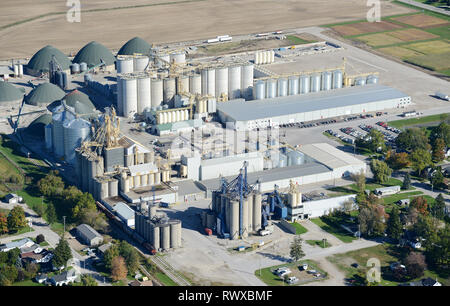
(167, 269)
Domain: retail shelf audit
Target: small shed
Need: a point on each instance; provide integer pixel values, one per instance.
(89, 235)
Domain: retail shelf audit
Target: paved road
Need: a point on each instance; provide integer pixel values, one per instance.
(426, 6)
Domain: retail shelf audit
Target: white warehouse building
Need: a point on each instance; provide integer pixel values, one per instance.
(245, 115)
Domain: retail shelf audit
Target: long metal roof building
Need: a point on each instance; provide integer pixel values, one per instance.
(312, 106)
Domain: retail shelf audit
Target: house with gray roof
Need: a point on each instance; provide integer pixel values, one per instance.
(89, 235)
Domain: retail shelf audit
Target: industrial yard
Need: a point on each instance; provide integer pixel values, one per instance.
(210, 153)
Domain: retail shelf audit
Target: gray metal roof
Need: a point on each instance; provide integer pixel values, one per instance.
(45, 93)
(40, 60)
(281, 106)
(92, 53)
(88, 231)
(124, 211)
(135, 45)
(273, 174)
(9, 93)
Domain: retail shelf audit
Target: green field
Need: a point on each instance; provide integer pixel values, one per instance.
(334, 229)
(353, 188)
(268, 277)
(297, 40)
(299, 229)
(27, 283)
(167, 281)
(400, 124)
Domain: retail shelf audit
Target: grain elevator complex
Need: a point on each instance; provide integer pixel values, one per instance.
(151, 127)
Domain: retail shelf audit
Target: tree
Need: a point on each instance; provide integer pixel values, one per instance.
(118, 268)
(10, 272)
(296, 248)
(437, 178)
(394, 226)
(376, 142)
(438, 209)
(438, 248)
(84, 203)
(3, 223)
(40, 238)
(397, 161)
(438, 154)
(442, 131)
(415, 264)
(12, 256)
(420, 203)
(95, 219)
(406, 181)
(420, 159)
(16, 219)
(412, 139)
(62, 253)
(348, 205)
(31, 270)
(371, 219)
(129, 253)
(381, 171)
(360, 180)
(51, 213)
(412, 215)
(51, 184)
(109, 255)
(88, 281)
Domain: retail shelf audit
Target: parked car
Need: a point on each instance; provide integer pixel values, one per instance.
(292, 280)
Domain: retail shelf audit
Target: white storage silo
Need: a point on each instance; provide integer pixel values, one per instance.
(125, 64)
(140, 63)
(264, 59)
(259, 90)
(326, 80)
(156, 92)
(246, 81)
(129, 98)
(222, 81)
(184, 84)
(119, 99)
(211, 82)
(161, 118)
(337, 79)
(372, 79)
(234, 80)
(16, 70)
(186, 114)
(144, 93)
(304, 84)
(59, 117)
(48, 137)
(178, 58)
(165, 117)
(293, 85)
(272, 56)
(271, 88)
(169, 117)
(315, 82)
(360, 81)
(282, 87)
(75, 132)
(195, 84)
(169, 87)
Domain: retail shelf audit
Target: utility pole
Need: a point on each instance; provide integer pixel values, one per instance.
(64, 231)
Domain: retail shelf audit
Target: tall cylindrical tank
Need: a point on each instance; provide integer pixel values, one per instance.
(144, 93)
(315, 82)
(282, 87)
(113, 187)
(250, 213)
(119, 100)
(372, 79)
(259, 90)
(184, 84)
(175, 234)
(165, 236)
(156, 237)
(305, 84)
(75, 132)
(130, 101)
(83, 67)
(222, 81)
(169, 89)
(58, 119)
(157, 95)
(75, 68)
(271, 88)
(246, 81)
(157, 178)
(293, 85)
(140, 63)
(209, 81)
(326, 80)
(178, 58)
(144, 180)
(264, 59)
(337, 79)
(48, 137)
(244, 214)
(257, 205)
(234, 80)
(234, 220)
(195, 84)
(125, 64)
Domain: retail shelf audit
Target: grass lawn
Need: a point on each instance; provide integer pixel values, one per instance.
(268, 277)
(299, 229)
(353, 188)
(400, 196)
(297, 40)
(26, 229)
(334, 229)
(318, 243)
(27, 283)
(165, 280)
(417, 121)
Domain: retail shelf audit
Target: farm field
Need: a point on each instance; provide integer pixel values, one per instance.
(421, 20)
(112, 23)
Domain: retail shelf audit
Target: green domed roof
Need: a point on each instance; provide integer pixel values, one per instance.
(9, 93)
(45, 93)
(78, 100)
(92, 53)
(37, 126)
(40, 60)
(135, 45)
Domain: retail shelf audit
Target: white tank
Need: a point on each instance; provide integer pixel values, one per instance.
(271, 89)
(211, 85)
(170, 117)
(178, 58)
(257, 58)
(272, 56)
(315, 82)
(165, 117)
(75, 132)
(264, 59)
(293, 85)
(360, 81)
(234, 81)
(169, 89)
(125, 64)
(304, 84)
(16, 70)
(221, 81)
(186, 114)
(161, 118)
(144, 93)
(372, 79)
(246, 81)
(259, 90)
(184, 83)
(326, 80)
(195, 84)
(129, 88)
(119, 105)
(337, 79)
(156, 92)
(282, 87)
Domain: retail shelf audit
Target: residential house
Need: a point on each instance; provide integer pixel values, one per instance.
(89, 235)
(64, 278)
(35, 248)
(426, 282)
(387, 190)
(12, 198)
(137, 283)
(20, 244)
(41, 278)
(42, 257)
